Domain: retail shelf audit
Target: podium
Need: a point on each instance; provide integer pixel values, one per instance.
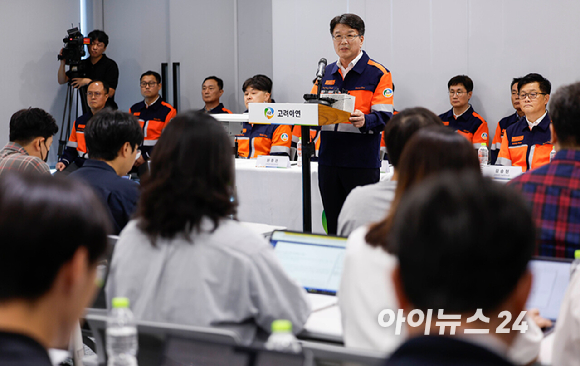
(302, 114)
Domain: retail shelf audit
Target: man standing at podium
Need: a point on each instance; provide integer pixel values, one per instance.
(349, 152)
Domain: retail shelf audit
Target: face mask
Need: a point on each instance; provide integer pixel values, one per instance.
(45, 159)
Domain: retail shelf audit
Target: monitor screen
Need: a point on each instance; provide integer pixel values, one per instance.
(550, 281)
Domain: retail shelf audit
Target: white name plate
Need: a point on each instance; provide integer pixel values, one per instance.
(269, 161)
(283, 113)
(501, 173)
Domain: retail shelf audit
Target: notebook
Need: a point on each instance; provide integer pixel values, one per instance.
(314, 261)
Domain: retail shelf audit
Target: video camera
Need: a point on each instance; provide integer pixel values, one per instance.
(73, 51)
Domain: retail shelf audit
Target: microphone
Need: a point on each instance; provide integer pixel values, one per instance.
(321, 68)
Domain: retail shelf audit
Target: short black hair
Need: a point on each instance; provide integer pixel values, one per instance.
(28, 124)
(33, 208)
(402, 126)
(515, 81)
(107, 132)
(352, 20)
(104, 83)
(100, 36)
(219, 81)
(259, 82)
(461, 79)
(545, 85)
(463, 242)
(152, 73)
(192, 176)
(565, 114)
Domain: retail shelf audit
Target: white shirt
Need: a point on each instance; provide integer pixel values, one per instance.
(350, 65)
(566, 351)
(536, 122)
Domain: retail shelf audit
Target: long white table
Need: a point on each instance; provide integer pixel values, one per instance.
(274, 196)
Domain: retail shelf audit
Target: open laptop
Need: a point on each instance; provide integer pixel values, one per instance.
(550, 281)
(314, 261)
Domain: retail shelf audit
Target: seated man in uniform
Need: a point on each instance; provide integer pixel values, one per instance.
(450, 270)
(48, 270)
(153, 112)
(31, 132)
(527, 143)
(75, 153)
(261, 139)
(96, 67)
(505, 122)
(212, 89)
(462, 118)
(113, 138)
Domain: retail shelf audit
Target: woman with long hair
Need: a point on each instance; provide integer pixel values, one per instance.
(366, 287)
(183, 259)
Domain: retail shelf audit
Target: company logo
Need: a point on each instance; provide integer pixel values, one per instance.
(284, 137)
(329, 82)
(269, 112)
(484, 136)
(517, 138)
(388, 93)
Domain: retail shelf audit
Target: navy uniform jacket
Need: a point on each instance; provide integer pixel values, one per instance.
(153, 120)
(217, 110)
(76, 147)
(120, 195)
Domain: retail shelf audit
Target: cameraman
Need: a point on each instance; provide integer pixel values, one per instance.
(97, 67)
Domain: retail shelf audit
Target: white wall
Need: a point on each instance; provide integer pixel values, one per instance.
(426, 42)
(31, 41)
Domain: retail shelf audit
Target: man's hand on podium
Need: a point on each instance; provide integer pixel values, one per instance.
(357, 118)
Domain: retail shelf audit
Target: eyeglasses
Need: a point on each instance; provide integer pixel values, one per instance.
(348, 37)
(94, 94)
(150, 84)
(458, 93)
(532, 95)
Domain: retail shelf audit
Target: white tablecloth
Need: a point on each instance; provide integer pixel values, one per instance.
(274, 196)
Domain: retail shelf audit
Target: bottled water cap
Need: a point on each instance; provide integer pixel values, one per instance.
(577, 254)
(281, 325)
(120, 302)
(483, 144)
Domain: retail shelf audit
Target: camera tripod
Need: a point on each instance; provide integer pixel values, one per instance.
(67, 114)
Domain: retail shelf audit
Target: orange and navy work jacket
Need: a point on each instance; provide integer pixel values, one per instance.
(342, 144)
(503, 124)
(153, 120)
(258, 139)
(527, 148)
(469, 124)
(217, 110)
(314, 137)
(76, 147)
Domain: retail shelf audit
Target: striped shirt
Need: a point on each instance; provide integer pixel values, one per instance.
(13, 157)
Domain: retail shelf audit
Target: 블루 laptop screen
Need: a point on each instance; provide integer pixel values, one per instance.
(314, 261)
(550, 281)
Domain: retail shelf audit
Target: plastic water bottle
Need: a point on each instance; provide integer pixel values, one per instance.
(299, 151)
(482, 154)
(121, 334)
(282, 338)
(552, 153)
(575, 263)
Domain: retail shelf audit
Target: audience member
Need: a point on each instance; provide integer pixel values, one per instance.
(212, 89)
(112, 139)
(260, 139)
(552, 189)
(48, 271)
(31, 133)
(365, 287)
(183, 259)
(505, 122)
(461, 117)
(75, 154)
(349, 152)
(526, 143)
(96, 67)
(153, 112)
(447, 266)
(370, 203)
